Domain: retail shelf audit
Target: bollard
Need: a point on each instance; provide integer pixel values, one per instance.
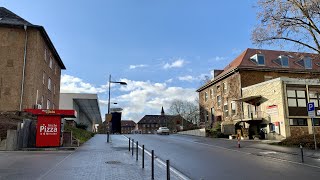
(129, 143)
(168, 170)
(301, 148)
(132, 147)
(108, 134)
(238, 137)
(142, 156)
(152, 164)
(137, 148)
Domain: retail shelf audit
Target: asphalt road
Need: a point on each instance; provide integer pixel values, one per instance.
(208, 160)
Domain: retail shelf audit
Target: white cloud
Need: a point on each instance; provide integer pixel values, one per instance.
(169, 80)
(137, 99)
(176, 64)
(137, 66)
(71, 84)
(143, 98)
(187, 78)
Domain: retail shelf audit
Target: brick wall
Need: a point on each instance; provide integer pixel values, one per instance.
(11, 65)
(299, 130)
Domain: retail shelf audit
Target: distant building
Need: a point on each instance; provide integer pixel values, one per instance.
(150, 123)
(86, 106)
(30, 67)
(127, 126)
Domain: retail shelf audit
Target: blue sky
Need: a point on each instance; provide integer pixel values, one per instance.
(161, 48)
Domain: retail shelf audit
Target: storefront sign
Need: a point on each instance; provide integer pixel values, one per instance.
(272, 110)
(48, 131)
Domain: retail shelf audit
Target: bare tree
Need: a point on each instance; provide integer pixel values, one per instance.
(188, 110)
(283, 21)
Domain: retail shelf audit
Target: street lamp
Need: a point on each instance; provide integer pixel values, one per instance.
(116, 82)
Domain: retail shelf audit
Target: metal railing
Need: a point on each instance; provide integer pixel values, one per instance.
(255, 115)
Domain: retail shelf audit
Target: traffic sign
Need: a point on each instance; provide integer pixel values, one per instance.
(311, 112)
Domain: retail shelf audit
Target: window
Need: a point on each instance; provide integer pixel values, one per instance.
(297, 98)
(45, 54)
(42, 99)
(212, 114)
(226, 110)
(48, 104)
(258, 58)
(206, 116)
(50, 62)
(44, 78)
(305, 62)
(218, 87)
(211, 93)
(225, 87)
(314, 97)
(53, 106)
(49, 84)
(316, 121)
(282, 61)
(219, 101)
(54, 88)
(298, 122)
(233, 108)
(205, 96)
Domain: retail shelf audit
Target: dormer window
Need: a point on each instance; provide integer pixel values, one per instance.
(258, 58)
(306, 62)
(282, 61)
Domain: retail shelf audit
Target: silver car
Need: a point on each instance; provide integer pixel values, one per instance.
(163, 130)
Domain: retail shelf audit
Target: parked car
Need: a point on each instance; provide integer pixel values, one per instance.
(163, 130)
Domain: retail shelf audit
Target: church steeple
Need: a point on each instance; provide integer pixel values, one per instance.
(162, 111)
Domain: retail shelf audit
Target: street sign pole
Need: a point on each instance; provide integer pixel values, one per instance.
(311, 114)
(314, 135)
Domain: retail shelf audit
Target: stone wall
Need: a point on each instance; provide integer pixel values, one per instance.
(299, 130)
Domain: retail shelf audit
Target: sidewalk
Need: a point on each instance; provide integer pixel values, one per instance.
(97, 159)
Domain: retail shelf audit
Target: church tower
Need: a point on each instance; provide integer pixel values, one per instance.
(162, 111)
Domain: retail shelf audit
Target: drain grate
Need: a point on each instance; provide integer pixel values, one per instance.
(113, 162)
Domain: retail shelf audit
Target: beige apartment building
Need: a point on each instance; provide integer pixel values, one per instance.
(279, 107)
(30, 66)
(220, 98)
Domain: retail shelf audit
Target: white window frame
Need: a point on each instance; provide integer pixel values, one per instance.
(225, 87)
(48, 103)
(45, 54)
(50, 62)
(205, 96)
(255, 58)
(49, 83)
(219, 101)
(44, 78)
(233, 108)
(211, 93)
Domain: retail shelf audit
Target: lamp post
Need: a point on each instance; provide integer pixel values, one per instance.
(116, 82)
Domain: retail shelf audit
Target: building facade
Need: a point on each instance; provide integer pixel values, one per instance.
(149, 124)
(30, 67)
(127, 126)
(282, 108)
(219, 98)
(86, 106)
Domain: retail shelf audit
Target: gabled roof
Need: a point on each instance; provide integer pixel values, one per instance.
(128, 123)
(243, 61)
(10, 19)
(158, 119)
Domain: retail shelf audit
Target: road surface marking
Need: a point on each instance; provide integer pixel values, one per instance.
(172, 169)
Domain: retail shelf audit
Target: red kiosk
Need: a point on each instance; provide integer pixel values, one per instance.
(49, 125)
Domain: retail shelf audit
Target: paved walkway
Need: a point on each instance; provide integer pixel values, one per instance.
(97, 159)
